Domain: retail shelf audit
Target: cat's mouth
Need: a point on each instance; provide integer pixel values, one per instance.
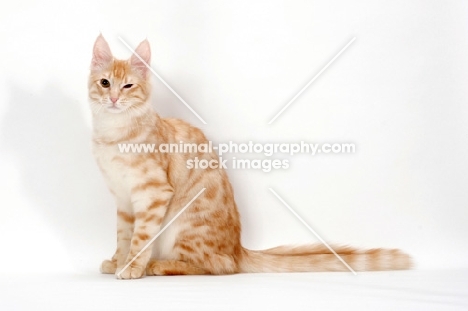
(113, 108)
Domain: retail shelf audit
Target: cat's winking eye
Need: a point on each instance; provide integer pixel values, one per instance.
(105, 83)
(127, 86)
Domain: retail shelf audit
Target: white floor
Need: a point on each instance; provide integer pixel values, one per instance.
(403, 290)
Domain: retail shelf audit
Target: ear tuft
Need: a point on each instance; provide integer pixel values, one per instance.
(140, 63)
(102, 54)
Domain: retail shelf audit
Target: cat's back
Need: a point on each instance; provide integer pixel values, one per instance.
(177, 130)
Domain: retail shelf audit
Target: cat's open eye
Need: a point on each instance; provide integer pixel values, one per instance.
(105, 83)
(127, 86)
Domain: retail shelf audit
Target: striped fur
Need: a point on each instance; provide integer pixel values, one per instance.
(150, 188)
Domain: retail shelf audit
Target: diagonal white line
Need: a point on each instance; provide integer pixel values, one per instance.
(313, 79)
(161, 231)
(313, 231)
(162, 80)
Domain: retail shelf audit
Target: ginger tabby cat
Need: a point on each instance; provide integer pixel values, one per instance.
(151, 188)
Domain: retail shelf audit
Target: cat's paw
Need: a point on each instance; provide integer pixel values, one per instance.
(130, 273)
(108, 267)
(153, 268)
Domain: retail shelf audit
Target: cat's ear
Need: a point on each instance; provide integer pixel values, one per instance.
(102, 54)
(143, 59)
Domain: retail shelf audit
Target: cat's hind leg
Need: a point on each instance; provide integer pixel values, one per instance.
(173, 267)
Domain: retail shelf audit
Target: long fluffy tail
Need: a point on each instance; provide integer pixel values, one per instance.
(309, 258)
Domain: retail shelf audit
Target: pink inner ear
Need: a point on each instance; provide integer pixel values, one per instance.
(102, 54)
(143, 50)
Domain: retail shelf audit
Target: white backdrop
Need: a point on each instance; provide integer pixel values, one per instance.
(399, 93)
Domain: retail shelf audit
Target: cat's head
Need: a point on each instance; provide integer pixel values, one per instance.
(116, 86)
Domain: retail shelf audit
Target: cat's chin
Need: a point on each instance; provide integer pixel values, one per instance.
(113, 109)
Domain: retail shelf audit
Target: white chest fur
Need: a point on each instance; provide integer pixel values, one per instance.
(115, 173)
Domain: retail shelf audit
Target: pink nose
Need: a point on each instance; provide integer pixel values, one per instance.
(114, 99)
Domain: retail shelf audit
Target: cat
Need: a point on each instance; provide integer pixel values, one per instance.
(151, 188)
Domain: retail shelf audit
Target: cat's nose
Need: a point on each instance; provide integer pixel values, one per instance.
(114, 99)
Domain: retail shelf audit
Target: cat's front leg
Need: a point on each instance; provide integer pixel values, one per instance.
(125, 226)
(150, 202)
